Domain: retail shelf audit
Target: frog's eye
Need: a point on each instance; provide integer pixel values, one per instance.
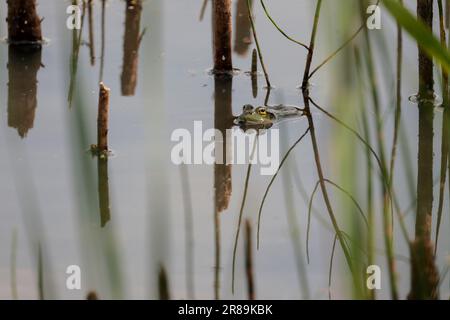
(262, 112)
(247, 107)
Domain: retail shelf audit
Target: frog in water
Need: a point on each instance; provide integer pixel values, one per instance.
(266, 116)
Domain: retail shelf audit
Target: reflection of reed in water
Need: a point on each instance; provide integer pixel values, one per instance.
(223, 120)
(23, 65)
(103, 190)
(131, 46)
(243, 38)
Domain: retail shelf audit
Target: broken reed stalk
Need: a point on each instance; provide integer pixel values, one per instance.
(249, 261)
(222, 30)
(132, 40)
(102, 119)
(24, 24)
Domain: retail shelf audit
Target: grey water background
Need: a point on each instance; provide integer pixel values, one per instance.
(147, 213)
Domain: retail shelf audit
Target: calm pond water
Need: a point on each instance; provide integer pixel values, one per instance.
(162, 214)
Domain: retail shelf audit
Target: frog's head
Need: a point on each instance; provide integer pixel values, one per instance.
(255, 116)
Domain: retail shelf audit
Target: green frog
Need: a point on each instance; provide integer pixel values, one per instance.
(266, 116)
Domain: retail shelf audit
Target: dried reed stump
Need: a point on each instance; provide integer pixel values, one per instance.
(23, 65)
(222, 30)
(101, 148)
(24, 24)
(131, 44)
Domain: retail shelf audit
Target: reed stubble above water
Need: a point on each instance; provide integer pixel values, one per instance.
(24, 24)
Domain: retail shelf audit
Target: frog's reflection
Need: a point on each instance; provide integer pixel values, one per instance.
(131, 44)
(24, 62)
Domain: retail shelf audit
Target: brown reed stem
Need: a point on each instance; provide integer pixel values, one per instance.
(102, 119)
(223, 34)
(132, 40)
(24, 24)
(424, 276)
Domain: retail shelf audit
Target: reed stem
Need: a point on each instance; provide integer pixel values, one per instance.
(103, 118)
(222, 36)
(24, 24)
(255, 36)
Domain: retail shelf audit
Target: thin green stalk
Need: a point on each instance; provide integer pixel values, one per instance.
(281, 30)
(322, 184)
(370, 211)
(102, 57)
(311, 45)
(271, 182)
(314, 140)
(387, 198)
(330, 269)
(13, 266)
(360, 138)
(40, 271)
(333, 54)
(203, 9)
(261, 59)
(358, 207)
(75, 54)
(241, 212)
(398, 104)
